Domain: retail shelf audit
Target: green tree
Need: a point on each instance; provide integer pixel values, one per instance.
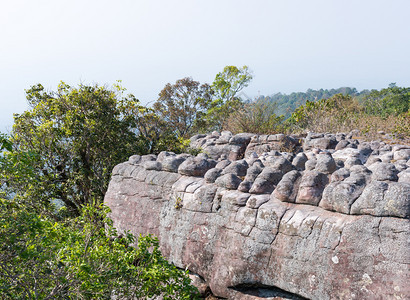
(393, 100)
(226, 86)
(82, 258)
(71, 139)
(338, 113)
(155, 134)
(182, 105)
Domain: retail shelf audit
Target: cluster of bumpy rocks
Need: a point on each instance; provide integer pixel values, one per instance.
(335, 172)
(322, 216)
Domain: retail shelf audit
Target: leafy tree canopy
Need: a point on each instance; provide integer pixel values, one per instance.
(70, 141)
(81, 259)
(393, 100)
(182, 105)
(226, 86)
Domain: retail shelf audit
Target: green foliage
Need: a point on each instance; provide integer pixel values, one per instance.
(182, 105)
(5, 143)
(155, 134)
(393, 100)
(81, 259)
(385, 110)
(16, 168)
(187, 107)
(226, 86)
(255, 117)
(337, 113)
(402, 125)
(286, 104)
(73, 138)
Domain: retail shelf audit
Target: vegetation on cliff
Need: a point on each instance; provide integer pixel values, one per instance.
(81, 258)
(56, 164)
(385, 111)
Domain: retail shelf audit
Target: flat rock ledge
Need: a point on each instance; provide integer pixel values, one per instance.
(274, 216)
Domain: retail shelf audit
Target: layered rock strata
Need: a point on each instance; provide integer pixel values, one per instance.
(320, 217)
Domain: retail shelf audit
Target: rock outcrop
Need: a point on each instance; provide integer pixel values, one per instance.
(253, 217)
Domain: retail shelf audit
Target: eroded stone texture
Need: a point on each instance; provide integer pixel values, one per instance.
(273, 225)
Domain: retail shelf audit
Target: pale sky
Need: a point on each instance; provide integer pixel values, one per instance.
(290, 45)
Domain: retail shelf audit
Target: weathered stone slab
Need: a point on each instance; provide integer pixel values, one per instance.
(243, 241)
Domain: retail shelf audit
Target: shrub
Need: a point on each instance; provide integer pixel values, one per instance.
(256, 117)
(81, 259)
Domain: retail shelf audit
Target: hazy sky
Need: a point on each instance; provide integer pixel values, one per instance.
(290, 45)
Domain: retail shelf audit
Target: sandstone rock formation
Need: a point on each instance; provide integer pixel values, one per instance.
(254, 217)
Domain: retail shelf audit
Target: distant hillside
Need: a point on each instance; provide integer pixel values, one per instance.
(286, 104)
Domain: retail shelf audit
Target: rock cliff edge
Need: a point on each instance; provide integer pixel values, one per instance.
(321, 217)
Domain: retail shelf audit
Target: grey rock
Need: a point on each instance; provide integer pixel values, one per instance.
(340, 136)
(282, 164)
(245, 220)
(320, 143)
(228, 181)
(384, 199)
(253, 172)
(339, 164)
(258, 163)
(223, 164)
(314, 135)
(152, 165)
(365, 148)
(399, 147)
(202, 155)
(197, 137)
(164, 154)
(347, 153)
(255, 201)
(352, 161)
(310, 164)
(202, 199)
(184, 155)
(401, 154)
(404, 176)
(226, 134)
(311, 187)
(181, 185)
(271, 174)
(372, 159)
(245, 186)
(287, 188)
(134, 159)
(340, 195)
(299, 161)
(360, 169)
(383, 171)
(236, 198)
(212, 174)
(387, 157)
(172, 163)
(238, 168)
(241, 139)
(343, 144)
(325, 163)
(262, 186)
(149, 157)
(401, 165)
(195, 167)
(340, 175)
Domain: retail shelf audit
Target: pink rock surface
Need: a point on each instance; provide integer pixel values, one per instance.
(339, 234)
